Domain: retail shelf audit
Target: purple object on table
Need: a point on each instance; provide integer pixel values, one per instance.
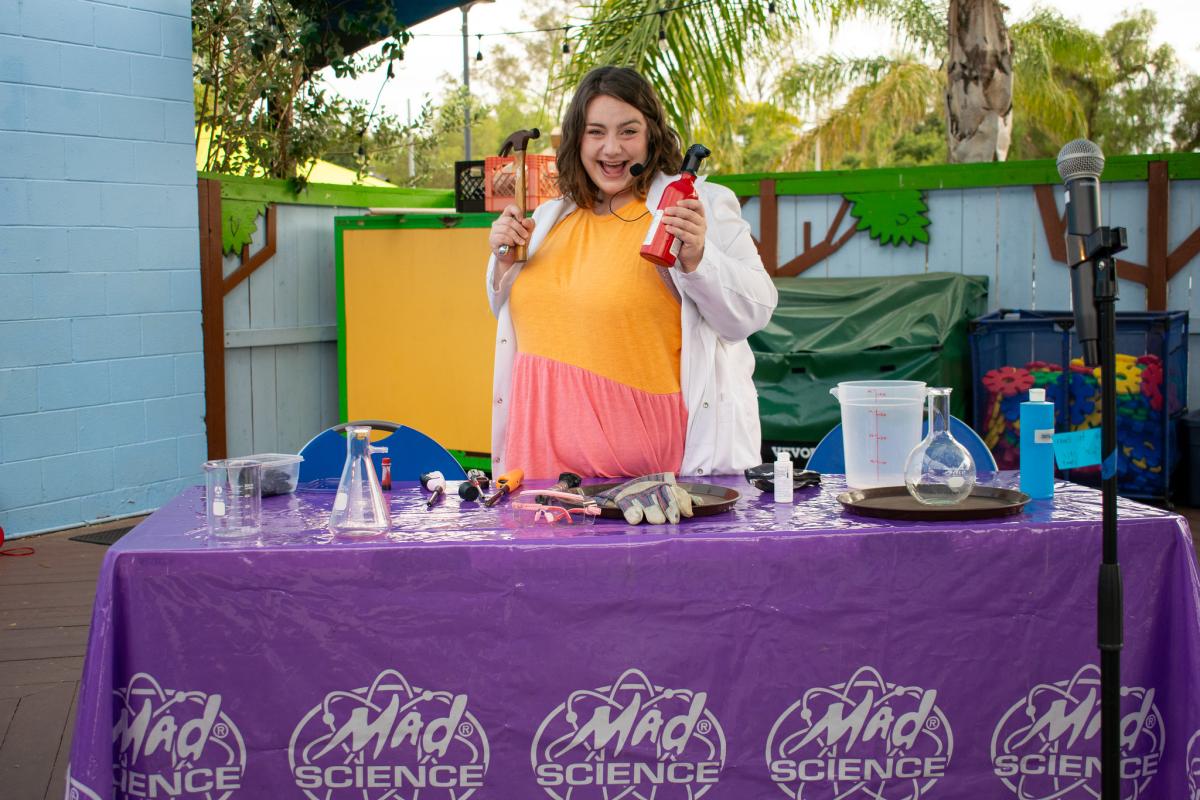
(772, 650)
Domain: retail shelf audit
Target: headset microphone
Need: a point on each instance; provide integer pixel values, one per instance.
(638, 169)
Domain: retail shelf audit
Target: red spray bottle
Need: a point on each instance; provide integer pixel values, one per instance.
(661, 247)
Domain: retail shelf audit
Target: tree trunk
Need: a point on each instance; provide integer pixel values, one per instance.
(979, 82)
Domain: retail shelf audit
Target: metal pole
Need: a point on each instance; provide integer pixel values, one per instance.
(466, 88)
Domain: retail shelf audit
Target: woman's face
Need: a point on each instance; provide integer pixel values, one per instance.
(614, 139)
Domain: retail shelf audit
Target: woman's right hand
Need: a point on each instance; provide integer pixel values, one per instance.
(512, 230)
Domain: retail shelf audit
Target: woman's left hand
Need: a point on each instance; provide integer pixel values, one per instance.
(686, 222)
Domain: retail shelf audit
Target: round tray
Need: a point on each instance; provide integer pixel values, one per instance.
(716, 498)
(894, 502)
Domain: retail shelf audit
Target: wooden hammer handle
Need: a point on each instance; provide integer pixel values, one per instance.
(521, 254)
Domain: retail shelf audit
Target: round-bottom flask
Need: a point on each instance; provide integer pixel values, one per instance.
(939, 471)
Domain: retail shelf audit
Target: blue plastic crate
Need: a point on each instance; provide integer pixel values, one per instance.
(1013, 351)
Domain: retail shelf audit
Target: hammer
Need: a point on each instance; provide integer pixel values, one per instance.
(516, 143)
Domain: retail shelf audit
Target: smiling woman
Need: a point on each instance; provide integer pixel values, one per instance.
(606, 365)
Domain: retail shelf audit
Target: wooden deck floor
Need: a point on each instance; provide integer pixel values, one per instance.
(45, 609)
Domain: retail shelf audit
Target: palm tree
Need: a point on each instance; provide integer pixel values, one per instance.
(979, 82)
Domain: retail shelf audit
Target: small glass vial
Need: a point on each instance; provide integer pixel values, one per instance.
(784, 488)
(385, 480)
(939, 471)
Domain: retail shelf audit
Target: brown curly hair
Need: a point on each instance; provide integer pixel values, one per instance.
(628, 86)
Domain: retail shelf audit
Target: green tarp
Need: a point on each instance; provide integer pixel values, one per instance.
(827, 330)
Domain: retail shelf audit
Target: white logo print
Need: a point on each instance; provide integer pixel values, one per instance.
(170, 743)
(1047, 746)
(1193, 767)
(389, 741)
(634, 740)
(77, 790)
(864, 739)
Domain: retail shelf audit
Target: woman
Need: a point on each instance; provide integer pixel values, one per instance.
(606, 365)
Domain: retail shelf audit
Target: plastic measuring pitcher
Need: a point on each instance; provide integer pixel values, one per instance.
(881, 424)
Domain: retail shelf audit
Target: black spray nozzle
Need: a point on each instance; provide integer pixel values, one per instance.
(695, 154)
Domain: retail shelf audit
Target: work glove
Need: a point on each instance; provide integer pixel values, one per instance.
(655, 498)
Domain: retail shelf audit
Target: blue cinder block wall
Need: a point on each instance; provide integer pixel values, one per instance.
(101, 374)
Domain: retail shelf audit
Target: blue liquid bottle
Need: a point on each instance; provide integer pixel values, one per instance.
(1037, 446)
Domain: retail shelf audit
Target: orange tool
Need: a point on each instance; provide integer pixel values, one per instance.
(507, 483)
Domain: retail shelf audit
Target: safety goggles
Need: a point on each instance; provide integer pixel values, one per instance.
(545, 507)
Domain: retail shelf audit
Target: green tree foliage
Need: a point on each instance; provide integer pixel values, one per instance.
(260, 108)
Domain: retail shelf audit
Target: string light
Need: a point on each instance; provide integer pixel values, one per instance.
(566, 48)
(662, 32)
(771, 7)
(479, 47)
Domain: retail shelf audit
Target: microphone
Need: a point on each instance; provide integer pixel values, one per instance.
(1080, 163)
(638, 169)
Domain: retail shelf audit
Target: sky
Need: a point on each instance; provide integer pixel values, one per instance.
(437, 45)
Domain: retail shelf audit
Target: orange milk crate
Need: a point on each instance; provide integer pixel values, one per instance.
(500, 181)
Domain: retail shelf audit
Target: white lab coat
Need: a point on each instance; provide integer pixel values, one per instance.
(728, 297)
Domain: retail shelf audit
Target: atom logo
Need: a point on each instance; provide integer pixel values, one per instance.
(389, 741)
(77, 791)
(865, 739)
(1193, 767)
(1047, 745)
(630, 740)
(173, 743)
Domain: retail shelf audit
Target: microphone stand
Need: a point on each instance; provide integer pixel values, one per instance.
(1097, 250)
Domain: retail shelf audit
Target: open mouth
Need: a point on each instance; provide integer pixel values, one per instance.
(613, 169)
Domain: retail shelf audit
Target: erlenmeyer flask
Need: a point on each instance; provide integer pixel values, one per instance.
(358, 507)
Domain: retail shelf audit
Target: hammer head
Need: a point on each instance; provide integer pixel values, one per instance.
(518, 140)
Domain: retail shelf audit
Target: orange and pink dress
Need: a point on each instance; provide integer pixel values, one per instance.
(595, 382)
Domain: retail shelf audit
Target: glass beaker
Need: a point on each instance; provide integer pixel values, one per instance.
(233, 497)
(358, 507)
(939, 471)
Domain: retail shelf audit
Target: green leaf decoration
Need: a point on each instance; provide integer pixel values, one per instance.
(239, 220)
(891, 217)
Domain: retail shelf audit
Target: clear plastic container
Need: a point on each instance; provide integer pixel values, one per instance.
(280, 471)
(881, 424)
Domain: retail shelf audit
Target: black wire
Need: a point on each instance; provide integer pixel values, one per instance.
(613, 21)
(618, 216)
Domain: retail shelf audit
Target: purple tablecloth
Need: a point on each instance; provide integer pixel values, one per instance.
(771, 651)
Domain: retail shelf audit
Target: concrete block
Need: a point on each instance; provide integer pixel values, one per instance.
(98, 159)
(178, 8)
(64, 203)
(185, 290)
(129, 205)
(174, 333)
(34, 62)
(18, 391)
(159, 494)
(169, 248)
(189, 374)
(40, 518)
(50, 110)
(165, 162)
(95, 70)
(26, 436)
(72, 385)
(16, 297)
(130, 30)
(77, 475)
(32, 343)
(193, 452)
(32, 249)
(145, 463)
(10, 17)
(180, 122)
(165, 78)
(96, 338)
(12, 107)
(176, 36)
(139, 292)
(121, 502)
(101, 249)
(60, 20)
(175, 416)
(131, 118)
(142, 378)
(32, 155)
(20, 484)
(112, 425)
(64, 294)
(14, 201)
